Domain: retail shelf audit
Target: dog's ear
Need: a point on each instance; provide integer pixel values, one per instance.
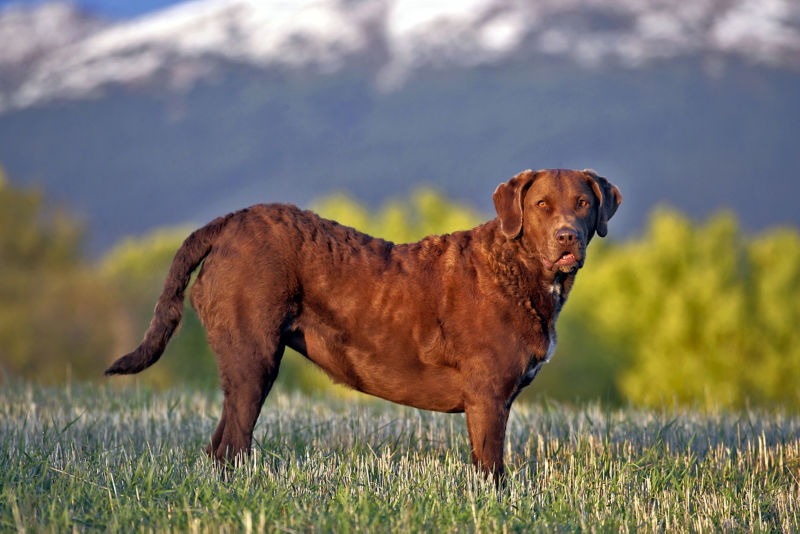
(609, 199)
(508, 199)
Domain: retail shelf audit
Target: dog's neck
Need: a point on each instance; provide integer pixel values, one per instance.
(524, 278)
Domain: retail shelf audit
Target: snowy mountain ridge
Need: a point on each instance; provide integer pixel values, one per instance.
(56, 51)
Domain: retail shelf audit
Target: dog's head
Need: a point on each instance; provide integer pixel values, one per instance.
(555, 213)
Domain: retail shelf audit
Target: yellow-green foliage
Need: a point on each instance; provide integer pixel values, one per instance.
(55, 317)
(696, 312)
(427, 212)
(687, 312)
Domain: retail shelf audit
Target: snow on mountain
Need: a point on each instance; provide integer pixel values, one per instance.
(26, 33)
(55, 51)
(183, 42)
(27, 36)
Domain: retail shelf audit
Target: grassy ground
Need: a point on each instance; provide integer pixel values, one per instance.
(87, 457)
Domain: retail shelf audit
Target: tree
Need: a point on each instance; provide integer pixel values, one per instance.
(693, 312)
(685, 312)
(55, 317)
(402, 221)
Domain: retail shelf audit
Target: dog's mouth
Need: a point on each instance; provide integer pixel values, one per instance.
(566, 259)
(566, 262)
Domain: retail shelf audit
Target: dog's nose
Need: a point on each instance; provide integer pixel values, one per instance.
(566, 236)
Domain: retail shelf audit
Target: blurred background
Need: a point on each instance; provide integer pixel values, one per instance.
(124, 125)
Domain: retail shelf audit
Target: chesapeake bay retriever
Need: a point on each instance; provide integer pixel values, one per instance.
(453, 323)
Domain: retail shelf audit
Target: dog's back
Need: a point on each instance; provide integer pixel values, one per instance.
(460, 322)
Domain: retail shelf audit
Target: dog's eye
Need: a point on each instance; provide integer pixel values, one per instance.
(582, 203)
(542, 203)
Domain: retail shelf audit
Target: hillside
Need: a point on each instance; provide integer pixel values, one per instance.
(182, 114)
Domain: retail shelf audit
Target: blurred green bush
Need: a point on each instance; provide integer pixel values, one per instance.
(56, 317)
(689, 312)
(686, 312)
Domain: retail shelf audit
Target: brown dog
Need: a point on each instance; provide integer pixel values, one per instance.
(453, 323)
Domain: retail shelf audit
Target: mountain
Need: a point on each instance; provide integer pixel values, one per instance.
(215, 104)
(71, 55)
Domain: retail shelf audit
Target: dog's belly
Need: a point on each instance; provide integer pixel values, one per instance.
(390, 374)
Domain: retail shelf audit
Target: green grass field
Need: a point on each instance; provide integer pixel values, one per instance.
(97, 458)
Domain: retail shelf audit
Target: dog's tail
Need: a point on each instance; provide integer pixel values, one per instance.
(169, 308)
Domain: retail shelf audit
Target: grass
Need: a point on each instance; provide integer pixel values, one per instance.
(96, 458)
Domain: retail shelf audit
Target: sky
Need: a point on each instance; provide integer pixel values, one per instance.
(112, 8)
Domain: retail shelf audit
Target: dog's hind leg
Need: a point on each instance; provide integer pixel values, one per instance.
(247, 376)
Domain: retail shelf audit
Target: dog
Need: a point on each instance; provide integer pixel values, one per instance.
(454, 323)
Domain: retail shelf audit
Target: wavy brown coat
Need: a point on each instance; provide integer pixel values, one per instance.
(453, 323)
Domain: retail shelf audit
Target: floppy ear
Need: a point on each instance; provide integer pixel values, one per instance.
(508, 202)
(609, 199)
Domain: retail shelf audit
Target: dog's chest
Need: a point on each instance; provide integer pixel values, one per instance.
(535, 363)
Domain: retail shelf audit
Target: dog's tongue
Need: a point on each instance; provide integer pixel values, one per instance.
(566, 259)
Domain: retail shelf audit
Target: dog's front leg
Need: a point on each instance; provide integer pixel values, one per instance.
(486, 423)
